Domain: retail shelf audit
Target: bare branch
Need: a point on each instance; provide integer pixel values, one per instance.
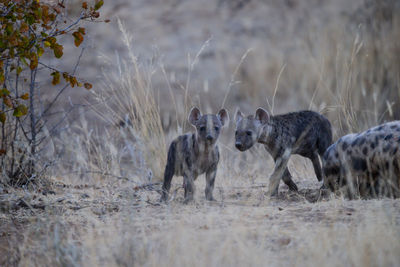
(65, 87)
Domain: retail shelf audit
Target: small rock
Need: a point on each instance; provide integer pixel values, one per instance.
(284, 241)
(85, 195)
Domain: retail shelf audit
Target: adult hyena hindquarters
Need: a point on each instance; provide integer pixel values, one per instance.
(365, 164)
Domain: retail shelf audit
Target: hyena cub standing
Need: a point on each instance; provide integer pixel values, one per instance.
(306, 133)
(193, 154)
(365, 164)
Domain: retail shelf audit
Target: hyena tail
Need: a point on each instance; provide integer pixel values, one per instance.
(325, 137)
(169, 171)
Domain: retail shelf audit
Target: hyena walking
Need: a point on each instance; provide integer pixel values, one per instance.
(193, 154)
(365, 164)
(306, 133)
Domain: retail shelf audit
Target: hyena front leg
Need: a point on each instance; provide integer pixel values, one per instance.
(275, 178)
(210, 179)
(188, 185)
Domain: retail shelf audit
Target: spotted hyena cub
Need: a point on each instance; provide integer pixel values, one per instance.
(306, 133)
(365, 164)
(193, 154)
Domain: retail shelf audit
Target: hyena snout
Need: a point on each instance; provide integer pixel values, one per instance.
(210, 137)
(243, 141)
(240, 146)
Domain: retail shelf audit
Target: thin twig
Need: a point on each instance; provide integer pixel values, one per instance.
(232, 81)
(55, 126)
(102, 173)
(65, 87)
(66, 29)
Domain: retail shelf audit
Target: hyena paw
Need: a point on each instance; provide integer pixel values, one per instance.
(273, 194)
(164, 198)
(292, 187)
(188, 200)
(323, 187)
(210, 198)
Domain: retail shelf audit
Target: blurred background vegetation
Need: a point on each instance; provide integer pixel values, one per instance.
(340, 58)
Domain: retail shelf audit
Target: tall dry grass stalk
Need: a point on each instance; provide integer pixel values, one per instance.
(128, 101)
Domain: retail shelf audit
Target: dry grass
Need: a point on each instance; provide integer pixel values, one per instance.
(98, 209)
(115, 223)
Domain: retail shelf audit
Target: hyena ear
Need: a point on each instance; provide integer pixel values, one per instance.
(262, 115)
(194, 115)
(223, 116)
(238, 116)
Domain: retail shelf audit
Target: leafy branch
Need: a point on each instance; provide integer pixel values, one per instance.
(30, 29)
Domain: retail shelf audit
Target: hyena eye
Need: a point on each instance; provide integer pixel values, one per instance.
(202, 128)
(216, 128)
(249, 133)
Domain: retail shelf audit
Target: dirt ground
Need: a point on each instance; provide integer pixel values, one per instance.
(117, 223)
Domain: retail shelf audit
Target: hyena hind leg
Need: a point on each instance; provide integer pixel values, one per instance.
(287, 179)
(165, 188)
(169, 172)
(317, 166)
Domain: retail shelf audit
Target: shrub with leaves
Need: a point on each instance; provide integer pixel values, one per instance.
(30, 30)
